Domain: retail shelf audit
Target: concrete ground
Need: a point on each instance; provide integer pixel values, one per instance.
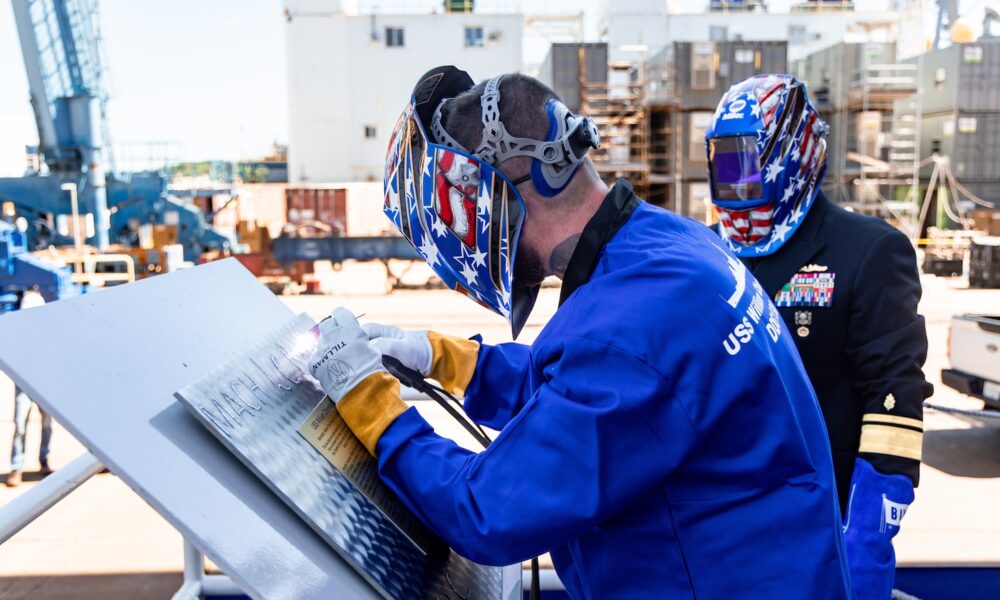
(104, 542)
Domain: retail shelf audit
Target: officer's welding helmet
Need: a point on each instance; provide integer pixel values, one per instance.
(455, 207)
(766, 158)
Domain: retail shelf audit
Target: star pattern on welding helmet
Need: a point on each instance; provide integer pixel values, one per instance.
(790, 139)
(456, 212)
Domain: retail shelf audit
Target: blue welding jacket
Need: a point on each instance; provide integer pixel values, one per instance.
(660, 437)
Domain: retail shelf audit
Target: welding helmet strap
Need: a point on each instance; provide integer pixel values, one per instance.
(440, 134)
(555, 159)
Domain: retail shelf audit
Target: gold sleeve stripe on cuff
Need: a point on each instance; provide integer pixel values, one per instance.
(893, 420)
(882, 439)
(454, 361)
(371, 407)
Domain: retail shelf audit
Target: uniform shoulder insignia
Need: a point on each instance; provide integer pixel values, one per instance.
(814, 268)
(890, 402)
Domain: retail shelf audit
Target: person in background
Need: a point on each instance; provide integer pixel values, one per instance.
(847, 287)
(22, 408)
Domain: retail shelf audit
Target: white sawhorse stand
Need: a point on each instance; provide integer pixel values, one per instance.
(106, 366)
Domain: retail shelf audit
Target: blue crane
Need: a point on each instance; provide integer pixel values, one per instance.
(60, 43)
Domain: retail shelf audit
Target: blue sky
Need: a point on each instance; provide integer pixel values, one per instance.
(208, 75)
(205, 75)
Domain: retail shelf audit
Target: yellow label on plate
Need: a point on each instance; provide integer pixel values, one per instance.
(327, 432)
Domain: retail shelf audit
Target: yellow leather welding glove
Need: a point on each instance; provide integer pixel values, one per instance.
(449, 360)
(349, 369)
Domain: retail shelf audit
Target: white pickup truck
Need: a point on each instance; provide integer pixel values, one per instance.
(974, 350)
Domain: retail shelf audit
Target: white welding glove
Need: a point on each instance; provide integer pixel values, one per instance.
(412, 348)
(343, 357)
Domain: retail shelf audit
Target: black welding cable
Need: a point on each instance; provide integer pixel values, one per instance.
(457, 403)
(415, 380)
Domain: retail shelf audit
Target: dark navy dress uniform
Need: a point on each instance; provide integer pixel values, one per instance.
(847, 287)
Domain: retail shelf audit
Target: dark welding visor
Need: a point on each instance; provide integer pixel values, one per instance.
(734, 168)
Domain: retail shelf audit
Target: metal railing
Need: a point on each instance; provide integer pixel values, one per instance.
(726, 6)
(84, 266)
(821, 6)
(34, 502)
(25, 508)
(898, 77)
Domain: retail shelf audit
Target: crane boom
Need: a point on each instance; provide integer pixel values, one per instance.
(60, 44)
(33, 68)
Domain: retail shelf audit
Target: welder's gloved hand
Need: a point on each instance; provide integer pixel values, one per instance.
(874, 512)
(450, 360)
(343, 356)
(350, 371)
(412, 348)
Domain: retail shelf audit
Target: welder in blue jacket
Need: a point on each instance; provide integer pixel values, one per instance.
(660, 437)
(847, 287)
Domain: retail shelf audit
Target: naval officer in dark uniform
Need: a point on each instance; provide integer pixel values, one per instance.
(847, 287)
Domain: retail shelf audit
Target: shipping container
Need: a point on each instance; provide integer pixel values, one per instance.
(961, 77)
(263, 171)
(264, 203)
(705, 70)
(970, 140)
(561, 69)
(325, 204)
(834, 76)
(856, 88)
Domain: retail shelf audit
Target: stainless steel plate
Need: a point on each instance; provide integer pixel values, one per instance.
(254, 404)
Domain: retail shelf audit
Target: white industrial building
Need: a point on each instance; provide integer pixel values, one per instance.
(638, 29)
(350, 75)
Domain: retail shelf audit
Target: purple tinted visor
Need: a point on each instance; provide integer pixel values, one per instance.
(734, 166)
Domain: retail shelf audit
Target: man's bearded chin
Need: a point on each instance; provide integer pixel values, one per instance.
(528, 269)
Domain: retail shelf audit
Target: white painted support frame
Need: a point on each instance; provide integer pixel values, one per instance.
(197, 584)
(30, 505)
(33, 503)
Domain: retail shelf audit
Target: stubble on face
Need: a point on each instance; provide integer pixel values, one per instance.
(529, 266)
(528, 269)
(562, 254)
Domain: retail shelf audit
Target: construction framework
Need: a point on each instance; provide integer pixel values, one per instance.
(665, 139)
(618, 109)
(880, 124)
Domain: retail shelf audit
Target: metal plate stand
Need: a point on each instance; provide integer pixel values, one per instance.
(107, 364)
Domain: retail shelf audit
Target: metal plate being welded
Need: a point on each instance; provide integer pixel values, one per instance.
(255, 404)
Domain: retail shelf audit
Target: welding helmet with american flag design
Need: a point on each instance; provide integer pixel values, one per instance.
(766, 150)
(458, 211)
